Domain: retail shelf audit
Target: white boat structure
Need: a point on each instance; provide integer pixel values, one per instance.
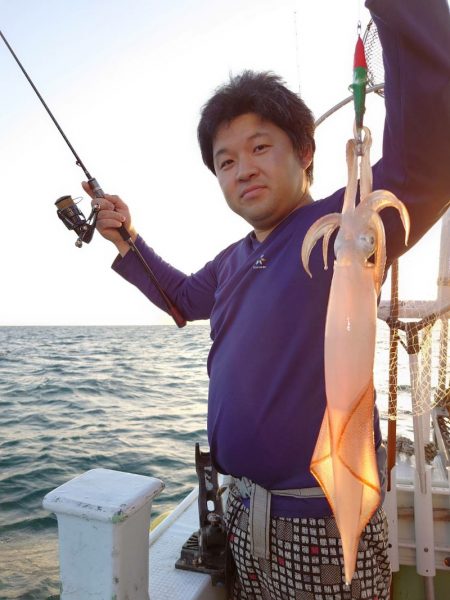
(106, 551)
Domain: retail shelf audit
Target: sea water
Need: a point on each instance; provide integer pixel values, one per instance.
(76, 398)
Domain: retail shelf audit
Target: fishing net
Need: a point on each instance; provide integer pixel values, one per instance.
(415, 337)
(374, 58)
(412, 375)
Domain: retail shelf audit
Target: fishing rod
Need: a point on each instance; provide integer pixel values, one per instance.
(70, 214)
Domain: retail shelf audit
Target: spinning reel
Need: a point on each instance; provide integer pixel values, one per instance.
(73, 218)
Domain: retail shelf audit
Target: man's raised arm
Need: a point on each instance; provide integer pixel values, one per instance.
(415, 35)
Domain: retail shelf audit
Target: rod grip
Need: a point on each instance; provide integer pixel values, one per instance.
(177, 316)
(173, 310)
(124, 233)
(95, 187)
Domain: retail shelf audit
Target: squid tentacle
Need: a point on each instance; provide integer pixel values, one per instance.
(352, 178)
(323, 227)
(326, 241)
(380, 251)
(366, 169)
(381, 199)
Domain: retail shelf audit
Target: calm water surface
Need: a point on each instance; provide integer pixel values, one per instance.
(76, 398)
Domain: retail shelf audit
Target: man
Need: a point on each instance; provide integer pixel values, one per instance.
(267, 393)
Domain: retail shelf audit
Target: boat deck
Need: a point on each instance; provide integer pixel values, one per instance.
(166, 541)
(169, 536)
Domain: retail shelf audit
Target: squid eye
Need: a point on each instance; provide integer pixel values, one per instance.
(367, 241)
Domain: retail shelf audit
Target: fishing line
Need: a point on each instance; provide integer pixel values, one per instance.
(297, 53)
(73, 218)
(358, 15)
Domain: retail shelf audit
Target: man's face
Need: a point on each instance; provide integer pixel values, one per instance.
(261, 175)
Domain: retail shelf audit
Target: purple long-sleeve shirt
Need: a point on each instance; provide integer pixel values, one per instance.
(267, 390)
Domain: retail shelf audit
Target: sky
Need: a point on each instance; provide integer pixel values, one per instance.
(126, 80)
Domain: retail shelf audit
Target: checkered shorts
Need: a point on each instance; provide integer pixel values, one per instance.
(306, 559)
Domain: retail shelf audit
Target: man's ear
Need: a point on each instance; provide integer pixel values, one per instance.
(306, 156)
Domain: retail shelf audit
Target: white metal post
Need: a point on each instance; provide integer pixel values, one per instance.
(423, 504)
(390, 507)
(103, 522)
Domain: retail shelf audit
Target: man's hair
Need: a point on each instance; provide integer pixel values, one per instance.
(264, 94)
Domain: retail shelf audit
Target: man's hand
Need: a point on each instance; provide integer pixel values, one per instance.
(113, 214)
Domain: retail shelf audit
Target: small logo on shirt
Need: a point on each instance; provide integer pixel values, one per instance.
(260, 263)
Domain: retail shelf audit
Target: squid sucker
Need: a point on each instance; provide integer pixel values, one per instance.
(344, 459)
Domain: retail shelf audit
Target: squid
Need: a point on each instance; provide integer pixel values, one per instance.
(344, 459)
